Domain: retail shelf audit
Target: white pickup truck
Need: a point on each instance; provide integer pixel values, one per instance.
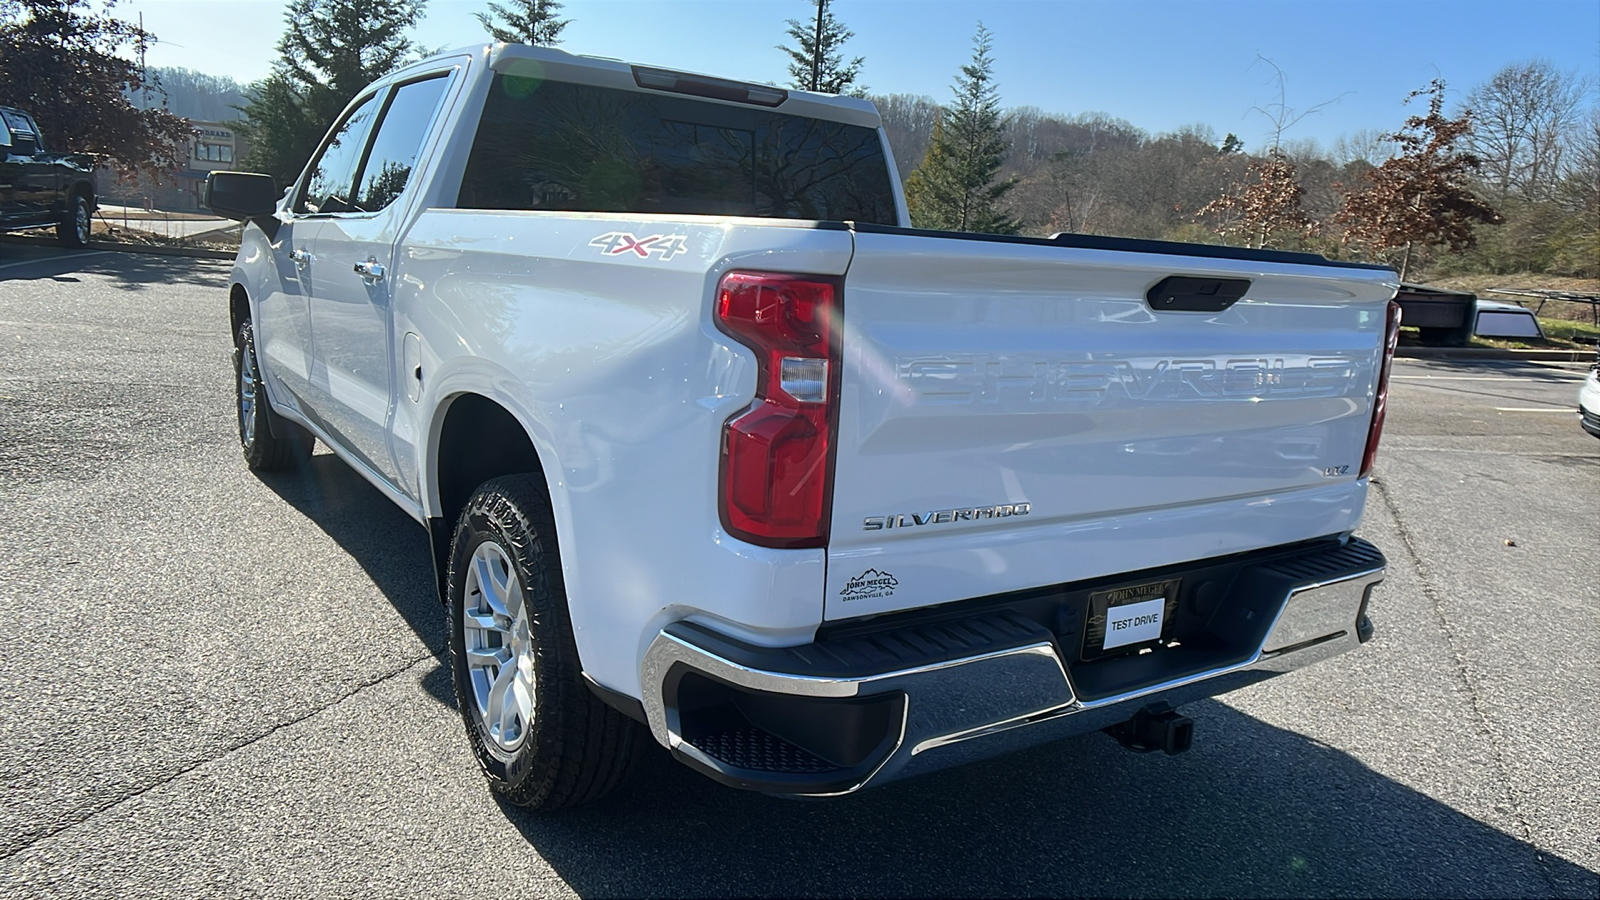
(713, 448)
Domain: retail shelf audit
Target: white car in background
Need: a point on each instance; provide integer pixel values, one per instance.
(1589, 398)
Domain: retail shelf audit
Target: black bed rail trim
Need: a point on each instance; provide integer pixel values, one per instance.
(1130, 245)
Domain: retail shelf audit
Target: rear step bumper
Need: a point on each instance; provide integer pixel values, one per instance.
(834, 716)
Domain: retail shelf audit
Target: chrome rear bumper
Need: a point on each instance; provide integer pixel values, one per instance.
(938, 695)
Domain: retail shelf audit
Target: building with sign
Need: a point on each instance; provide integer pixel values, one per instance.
(213, 147)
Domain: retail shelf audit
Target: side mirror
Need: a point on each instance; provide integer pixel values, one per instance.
(241, 195)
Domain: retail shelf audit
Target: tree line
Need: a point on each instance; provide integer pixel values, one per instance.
(1509, 181)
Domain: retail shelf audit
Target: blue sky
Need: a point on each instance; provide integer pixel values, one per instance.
(1160, 64)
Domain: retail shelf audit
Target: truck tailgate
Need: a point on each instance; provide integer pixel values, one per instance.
(1016, 414)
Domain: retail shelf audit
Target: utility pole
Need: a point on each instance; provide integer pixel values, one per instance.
(144, 81)
(816, 48)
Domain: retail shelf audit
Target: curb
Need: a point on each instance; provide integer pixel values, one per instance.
(118, 247)
(194, 252)
(1494, 353)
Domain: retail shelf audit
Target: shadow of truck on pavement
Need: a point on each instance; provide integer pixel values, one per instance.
(1253, 811)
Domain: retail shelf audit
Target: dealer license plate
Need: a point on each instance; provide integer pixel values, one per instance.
(1127, 618)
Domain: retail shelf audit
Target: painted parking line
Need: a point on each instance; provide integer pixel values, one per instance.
(42, 259)
(1536, 409)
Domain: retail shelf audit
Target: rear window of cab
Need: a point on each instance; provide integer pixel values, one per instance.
(545, 145)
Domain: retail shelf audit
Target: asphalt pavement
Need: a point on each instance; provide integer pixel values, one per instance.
(214, 684)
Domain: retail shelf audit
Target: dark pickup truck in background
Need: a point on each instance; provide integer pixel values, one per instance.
(40, 188)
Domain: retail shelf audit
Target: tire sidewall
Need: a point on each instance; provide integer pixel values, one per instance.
(69, 231)
(478, 526)
(245, 346)
(80, 204)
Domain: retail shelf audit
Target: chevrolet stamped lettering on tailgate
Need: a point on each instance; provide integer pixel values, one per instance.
(988, 379)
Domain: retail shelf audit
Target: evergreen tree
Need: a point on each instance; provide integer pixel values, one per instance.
(525, 22)
(957, 187)
(63, 63)
(280, 130)
(816, 62)
(330, 51)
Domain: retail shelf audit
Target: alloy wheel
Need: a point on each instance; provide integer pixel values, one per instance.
(247, 394)
(497, 637)
(80, 220)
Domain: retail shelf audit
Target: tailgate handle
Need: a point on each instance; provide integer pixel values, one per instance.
(1186, 293)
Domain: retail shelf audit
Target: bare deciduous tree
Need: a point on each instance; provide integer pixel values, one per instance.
(1266, 205)
(1368, 145)
(1577, 244)
(1524, 119)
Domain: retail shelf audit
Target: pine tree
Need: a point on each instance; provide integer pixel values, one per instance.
(525, 22)
(816, 62)
(330, 51)
(280, 129)
(1420, 196)
(67, 65)
(957, 187)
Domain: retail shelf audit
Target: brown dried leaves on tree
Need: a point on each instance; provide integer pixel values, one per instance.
(1419, 197)
(1266, 207)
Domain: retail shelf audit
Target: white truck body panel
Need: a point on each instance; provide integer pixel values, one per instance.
(613, 364)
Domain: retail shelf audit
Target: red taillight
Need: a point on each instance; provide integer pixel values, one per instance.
(777, 475)
(1380, 401)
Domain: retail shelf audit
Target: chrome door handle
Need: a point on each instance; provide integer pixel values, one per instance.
(301, 258)
(369, 271)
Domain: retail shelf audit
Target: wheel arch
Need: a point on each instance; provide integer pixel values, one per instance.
(238, 309)
(474, 437)
(87, 189)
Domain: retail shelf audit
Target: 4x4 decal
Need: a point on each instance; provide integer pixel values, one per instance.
(663, 246)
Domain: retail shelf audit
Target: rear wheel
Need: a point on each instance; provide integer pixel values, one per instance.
(270, 442)
(543, 739)
(74, 229)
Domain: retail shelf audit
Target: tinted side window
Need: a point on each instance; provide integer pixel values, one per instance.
(38, 136)
(553, 146)
(333, 174)
(394, 151)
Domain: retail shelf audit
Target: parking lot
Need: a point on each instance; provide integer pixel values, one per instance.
(223, 685)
